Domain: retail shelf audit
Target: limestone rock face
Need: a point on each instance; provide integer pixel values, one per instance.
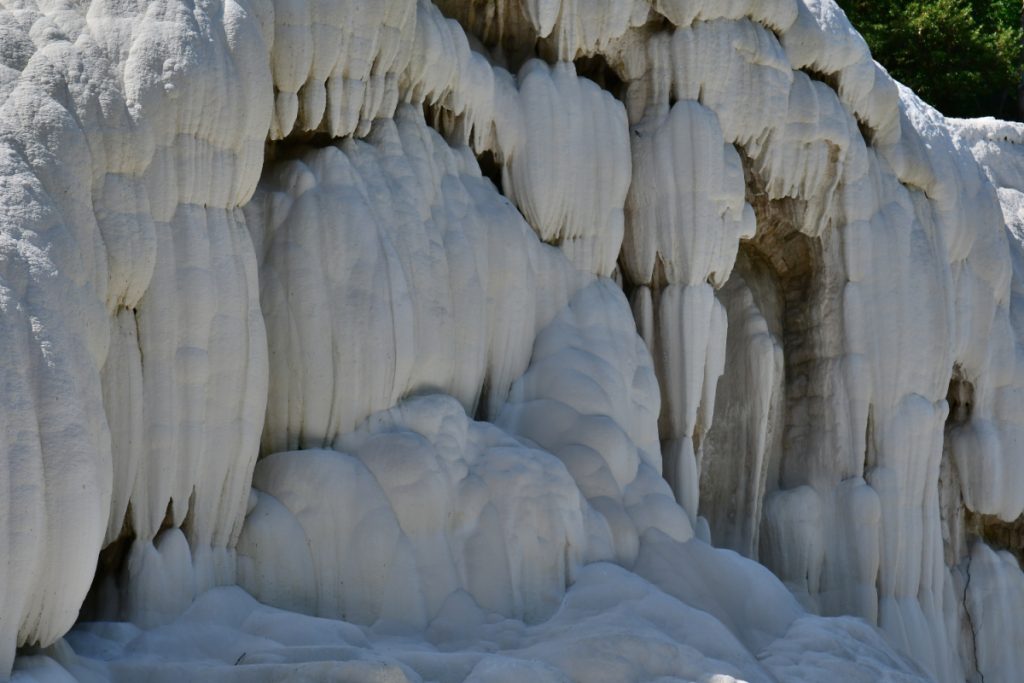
(465, 340)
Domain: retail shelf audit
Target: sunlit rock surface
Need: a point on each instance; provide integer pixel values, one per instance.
(549, 340)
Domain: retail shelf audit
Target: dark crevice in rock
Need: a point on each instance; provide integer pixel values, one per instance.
(509, 38)
(791, 254)
(870, 457)
(742, 448)
(597, 69)
(811, 283)
(953, 512)
(110, 563)
(970, 618)
(832, 81)
(961, 527)
(829, 79)
(797, 282)
(296, 145)
(629, 287)
(490, 168)
(112, 566)
(457, 133)
(960, 397)
(187, 524)
(997, 533)
(481, 412)
(658, 23)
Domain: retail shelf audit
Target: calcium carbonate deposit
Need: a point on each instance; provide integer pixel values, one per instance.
(396, 341)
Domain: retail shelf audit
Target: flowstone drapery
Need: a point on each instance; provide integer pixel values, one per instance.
(466, 340)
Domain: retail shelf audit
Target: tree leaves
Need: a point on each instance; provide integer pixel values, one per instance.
(962, 56)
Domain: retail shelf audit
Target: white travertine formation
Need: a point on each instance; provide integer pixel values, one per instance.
(742, 450)
(590, 397)
(569, 28)
(417, 277)
(572, 199)
(737, 286)
(436, 502)
(122, 179)
(335, 64)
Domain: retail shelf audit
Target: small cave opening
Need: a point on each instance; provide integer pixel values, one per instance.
(785, 321)
(958, 522)
(960, 397)
(741, 451)
(832, 81)
(811, 281)
(482, 410)
(597, 69)
(501, 30)
(295, 146)
(490, 168)
(456, 131)
(109, 566)
(995, 532)
(783, 326)
(103, 601)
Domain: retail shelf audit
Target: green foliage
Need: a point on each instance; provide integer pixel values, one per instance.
(961, 56)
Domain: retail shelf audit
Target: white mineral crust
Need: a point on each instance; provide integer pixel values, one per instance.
(501, 340)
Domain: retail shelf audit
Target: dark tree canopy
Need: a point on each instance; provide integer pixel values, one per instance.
(961, 56)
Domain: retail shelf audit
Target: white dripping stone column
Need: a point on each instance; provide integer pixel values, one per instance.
(685, 215)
